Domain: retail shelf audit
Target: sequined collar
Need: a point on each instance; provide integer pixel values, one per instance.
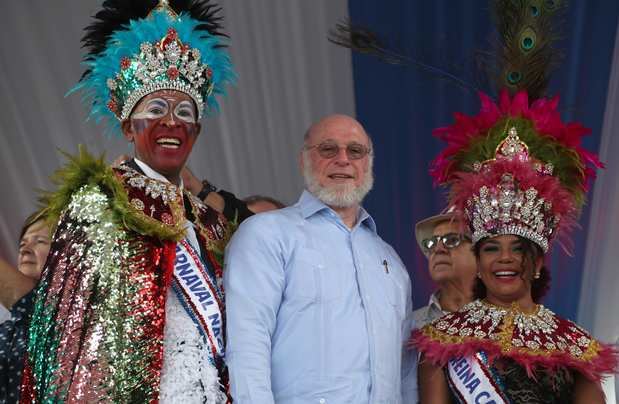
(155, 200)
(513, 331)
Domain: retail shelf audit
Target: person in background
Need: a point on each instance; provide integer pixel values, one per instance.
(446, 244)
(234, 209)
(261, 203)
(319, 306)
(16, 294)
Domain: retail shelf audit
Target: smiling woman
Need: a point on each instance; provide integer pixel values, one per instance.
(511, 268)
(518, 177)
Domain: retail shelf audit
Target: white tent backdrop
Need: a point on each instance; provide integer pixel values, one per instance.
(599, 301)
(289, 75)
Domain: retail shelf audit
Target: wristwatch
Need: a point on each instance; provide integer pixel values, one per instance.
(207, 188)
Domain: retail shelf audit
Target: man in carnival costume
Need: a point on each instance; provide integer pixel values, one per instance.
(130, 306)
(518, 176)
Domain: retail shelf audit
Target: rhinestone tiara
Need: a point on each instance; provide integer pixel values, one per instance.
(167, 64)
(507, 208)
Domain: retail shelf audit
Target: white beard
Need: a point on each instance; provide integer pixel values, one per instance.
(337, 196)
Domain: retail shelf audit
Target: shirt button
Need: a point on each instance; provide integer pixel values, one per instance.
(322, 401)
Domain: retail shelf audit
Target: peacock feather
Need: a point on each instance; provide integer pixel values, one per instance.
(525, 55)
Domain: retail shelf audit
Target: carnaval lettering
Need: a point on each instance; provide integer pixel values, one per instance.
(472, 382)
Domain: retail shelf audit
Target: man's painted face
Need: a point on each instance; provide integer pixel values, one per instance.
(164, 126)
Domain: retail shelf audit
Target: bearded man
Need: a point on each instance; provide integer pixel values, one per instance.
(130, 306)
(318, 305)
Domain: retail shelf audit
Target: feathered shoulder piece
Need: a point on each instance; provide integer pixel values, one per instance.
(135, 202)
(538, 340)
(136, 47)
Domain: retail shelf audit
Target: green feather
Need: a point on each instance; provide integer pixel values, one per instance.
(568, 167)
(85, 169)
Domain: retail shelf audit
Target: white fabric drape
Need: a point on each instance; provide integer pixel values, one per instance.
(289, 75)
(599, 300)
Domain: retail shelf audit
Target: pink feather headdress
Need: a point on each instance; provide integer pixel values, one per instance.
(516, 169)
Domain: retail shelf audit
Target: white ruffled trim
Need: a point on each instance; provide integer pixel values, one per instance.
(187, 377)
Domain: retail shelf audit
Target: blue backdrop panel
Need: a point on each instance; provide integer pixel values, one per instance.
(400, 106)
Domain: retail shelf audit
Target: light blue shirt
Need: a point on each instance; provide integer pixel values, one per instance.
(317, 312)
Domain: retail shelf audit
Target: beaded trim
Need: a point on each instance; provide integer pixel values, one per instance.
(167, 64)
(505, 208)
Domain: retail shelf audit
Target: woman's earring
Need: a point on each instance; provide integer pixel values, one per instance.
(536, 275)
(478, 274)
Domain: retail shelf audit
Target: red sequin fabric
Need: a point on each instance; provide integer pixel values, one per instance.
(97, 327)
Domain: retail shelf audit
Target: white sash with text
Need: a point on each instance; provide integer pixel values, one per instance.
(199, 296)
(472, 381)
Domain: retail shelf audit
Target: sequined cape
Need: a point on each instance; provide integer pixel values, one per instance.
(97, 325)
(538, 341)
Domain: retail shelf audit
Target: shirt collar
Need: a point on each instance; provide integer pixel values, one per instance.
(311, 205)
(434, 300)
(149, 172)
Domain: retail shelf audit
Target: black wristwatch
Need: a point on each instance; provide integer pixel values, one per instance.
(207, 188)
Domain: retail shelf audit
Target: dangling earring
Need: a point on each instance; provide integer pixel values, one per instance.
(536, 275)
(478, 274)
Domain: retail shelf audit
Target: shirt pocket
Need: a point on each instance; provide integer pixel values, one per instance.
(302, 277)
(312, 278)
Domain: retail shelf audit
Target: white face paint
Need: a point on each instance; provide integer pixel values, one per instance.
(157, 108)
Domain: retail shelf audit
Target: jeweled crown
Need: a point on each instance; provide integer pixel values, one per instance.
(167, 64)
(135, 49)
(506, 207)
(516, 168)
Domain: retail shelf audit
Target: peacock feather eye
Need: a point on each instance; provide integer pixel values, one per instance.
(534, 11)
(528, 39)
(551, 4)
(514, 77)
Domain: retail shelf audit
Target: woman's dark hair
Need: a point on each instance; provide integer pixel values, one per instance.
(531, 252)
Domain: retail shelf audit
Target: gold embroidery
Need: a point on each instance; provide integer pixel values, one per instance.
(513, 331)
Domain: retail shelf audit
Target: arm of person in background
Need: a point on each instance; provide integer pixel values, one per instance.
(254, 282)
(13, 284)
(222, 201)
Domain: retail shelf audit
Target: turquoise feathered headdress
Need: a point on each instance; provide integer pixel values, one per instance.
(138, 47)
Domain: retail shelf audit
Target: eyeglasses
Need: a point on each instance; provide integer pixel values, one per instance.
(449, 240)
(328, 150)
